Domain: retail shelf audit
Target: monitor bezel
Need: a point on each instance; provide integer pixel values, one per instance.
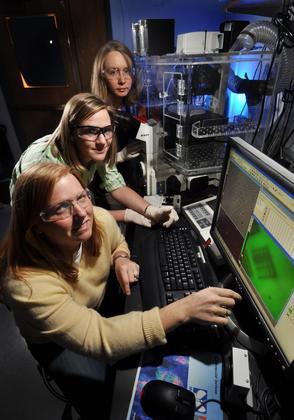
(286, 179)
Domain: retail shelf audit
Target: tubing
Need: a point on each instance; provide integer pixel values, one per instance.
(266, 33)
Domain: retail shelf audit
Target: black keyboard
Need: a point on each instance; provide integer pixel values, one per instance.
(172, 264)
(180, 270)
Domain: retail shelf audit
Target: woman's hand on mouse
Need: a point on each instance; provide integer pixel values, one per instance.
(209, 306)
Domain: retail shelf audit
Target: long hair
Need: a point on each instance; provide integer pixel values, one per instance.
(80, 107)
(98, 83)
(24, 247)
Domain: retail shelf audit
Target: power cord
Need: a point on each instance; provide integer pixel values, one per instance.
(264, 97)
(209, 401)
(225, 406)
(49, 386)
(266, 400)
(261, 405)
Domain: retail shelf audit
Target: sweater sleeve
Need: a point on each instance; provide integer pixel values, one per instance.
(47, 312)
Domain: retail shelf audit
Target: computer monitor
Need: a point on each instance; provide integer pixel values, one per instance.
(253, 227)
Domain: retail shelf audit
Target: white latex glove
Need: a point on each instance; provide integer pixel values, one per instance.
(139, 219)
(130, 151)
(165, 215)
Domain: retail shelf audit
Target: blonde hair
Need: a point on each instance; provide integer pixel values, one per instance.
(24, 246)
(76, 110)
(98, 83)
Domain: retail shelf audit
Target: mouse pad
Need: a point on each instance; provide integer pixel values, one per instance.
(200, 373)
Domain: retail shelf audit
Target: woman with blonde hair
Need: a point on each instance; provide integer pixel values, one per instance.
(85, 140)
(114, 80)
(113, 76)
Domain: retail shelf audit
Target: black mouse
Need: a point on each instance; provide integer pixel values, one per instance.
(165, 401)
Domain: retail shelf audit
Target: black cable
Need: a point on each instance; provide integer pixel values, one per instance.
(227, 406)
(245, 407)
(287, 138)
(255, 387)
(253, 410)
(291, 92)
(266, 394)
(273, 118)
(208, 401)
(262, 397)
(283, 139)
(270, 134)
(259, 65)
(270, 139)
(283, 33)
(50, 387)
(290, 11)
(264, 96)
(282, 21)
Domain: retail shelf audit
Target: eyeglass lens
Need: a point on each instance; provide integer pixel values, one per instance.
(116, 73)
(92, 133)
(65, 209)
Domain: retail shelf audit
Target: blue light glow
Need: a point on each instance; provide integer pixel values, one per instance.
(237, 101)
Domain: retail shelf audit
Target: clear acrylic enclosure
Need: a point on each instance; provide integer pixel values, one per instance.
(202, 100)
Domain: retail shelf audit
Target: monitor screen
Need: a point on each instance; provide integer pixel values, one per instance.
(253, 226)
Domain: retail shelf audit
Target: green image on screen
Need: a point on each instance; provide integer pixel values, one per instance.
(269, 269)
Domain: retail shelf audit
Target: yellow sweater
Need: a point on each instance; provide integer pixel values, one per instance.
(55, 311)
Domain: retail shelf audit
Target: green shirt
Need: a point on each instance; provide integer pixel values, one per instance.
(41, 151)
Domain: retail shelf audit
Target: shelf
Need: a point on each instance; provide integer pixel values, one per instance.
(268, 8)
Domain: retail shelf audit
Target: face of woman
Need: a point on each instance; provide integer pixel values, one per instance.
(117, 73)
(93, 144)
(69, 215)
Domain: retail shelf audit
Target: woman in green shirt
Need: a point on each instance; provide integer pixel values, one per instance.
(85, 140)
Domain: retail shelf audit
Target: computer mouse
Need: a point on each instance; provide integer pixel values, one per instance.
(166, 401)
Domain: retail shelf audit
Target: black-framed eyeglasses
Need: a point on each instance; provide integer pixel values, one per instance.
(64, 209)
(92, 133)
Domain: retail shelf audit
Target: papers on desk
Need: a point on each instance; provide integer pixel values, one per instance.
(200, 374)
